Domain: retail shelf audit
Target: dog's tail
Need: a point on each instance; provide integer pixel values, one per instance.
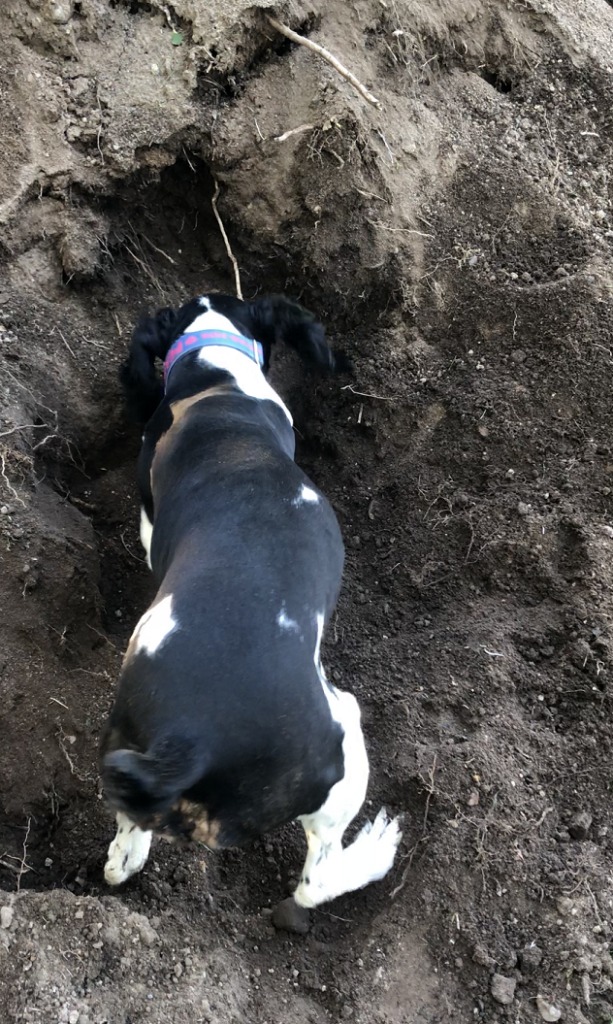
(141, 383)
(147, 784)
(280, 319)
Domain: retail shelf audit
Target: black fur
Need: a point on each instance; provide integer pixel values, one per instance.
(230, 711)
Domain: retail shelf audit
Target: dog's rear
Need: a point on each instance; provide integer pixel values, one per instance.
(224, 725)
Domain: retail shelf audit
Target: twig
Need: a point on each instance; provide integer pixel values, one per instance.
(237, 276)
(61, 736)
(60, 702)
(363, 394)
(66, 344)
(23, 866)
(336, 64)
(146, 269)
(161, 251)
(386, 144)
(295, 131)
(405, 873)
(370, 195)
(131, 553)
(259, 130)
(8, 483)
(24, 426)
(403, 231)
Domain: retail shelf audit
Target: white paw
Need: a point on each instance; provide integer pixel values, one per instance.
(376, 845)
(127, 854)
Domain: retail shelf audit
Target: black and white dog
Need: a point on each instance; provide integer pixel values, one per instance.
(224, 725)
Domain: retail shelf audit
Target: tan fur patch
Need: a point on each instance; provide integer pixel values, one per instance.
(205, 831)
(179, 410)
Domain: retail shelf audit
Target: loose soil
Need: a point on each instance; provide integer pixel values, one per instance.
(458, 243)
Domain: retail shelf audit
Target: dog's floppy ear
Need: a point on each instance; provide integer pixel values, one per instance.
(141, 384)
(280, 319)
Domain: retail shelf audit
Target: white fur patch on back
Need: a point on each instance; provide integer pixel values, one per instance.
(154, 627)
(246, 372)
(306, 494)
(285, 622)
(146, 534)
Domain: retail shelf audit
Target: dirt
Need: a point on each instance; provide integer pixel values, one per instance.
(458, 243)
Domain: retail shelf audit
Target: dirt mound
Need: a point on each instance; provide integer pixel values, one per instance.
(459, 243)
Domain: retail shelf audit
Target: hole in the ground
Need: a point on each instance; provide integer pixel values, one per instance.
(497, 81)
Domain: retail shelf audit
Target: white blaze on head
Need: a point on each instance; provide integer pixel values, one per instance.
(306, 494)
(154, 627)
(246, 371)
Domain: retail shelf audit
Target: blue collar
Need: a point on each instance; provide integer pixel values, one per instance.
(195, 340)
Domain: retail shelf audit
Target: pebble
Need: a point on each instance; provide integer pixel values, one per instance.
(523, 509)
(530, 956)
(6, 917)
(503, 989)
(289, 917)
(547, 1010)
(580, 824)
(518, 355)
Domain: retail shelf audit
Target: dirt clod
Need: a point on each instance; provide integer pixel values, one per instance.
(503, 989)
(290, 917)
(580, 825)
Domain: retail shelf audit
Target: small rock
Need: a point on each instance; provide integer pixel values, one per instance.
(608, 531)
(518, 355)
(503, 989)
(6, 917)
(523, 509)
(530, 956)
(473, 799)
(580, 824)
(482, 957)
(289, 917)
(60, 11)
(564, 905)
(547, 1010)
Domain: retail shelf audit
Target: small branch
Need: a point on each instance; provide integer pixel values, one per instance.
(237, 276)
(364, 394)
(294, 131)
(23, 866)
(23, 426)
(336, 64)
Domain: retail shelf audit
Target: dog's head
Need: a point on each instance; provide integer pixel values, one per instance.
(267, 320)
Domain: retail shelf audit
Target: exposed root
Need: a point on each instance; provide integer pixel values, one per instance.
(329, 57)
(237, 276)
(23, 866)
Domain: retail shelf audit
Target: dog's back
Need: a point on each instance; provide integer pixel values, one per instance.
(249, 553)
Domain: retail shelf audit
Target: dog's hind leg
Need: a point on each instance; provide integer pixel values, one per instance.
(331, 870)
(128, 852)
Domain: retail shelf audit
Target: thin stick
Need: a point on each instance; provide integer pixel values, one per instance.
(23, 867)
(336, 64)
(131, 553)
(23, 426)
(364, 394)
(237, 276)
(161, 251)
(9, 485)
(294, 131)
